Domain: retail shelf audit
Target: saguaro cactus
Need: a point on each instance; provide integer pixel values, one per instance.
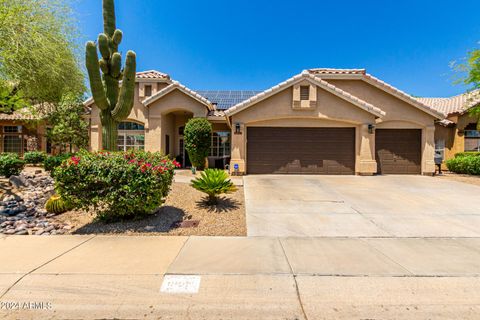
(115, 101)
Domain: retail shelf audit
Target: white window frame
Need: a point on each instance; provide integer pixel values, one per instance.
(218, 150)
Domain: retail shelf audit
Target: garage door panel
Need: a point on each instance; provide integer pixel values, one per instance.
(398, 151)
(301, 150)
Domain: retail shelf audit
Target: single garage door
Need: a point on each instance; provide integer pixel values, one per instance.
(300, 150)
(398, 151)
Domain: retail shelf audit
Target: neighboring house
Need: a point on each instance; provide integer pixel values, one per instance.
(458, 131)
(19, 131)
(321, 121)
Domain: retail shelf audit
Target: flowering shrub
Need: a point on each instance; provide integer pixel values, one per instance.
(116, 185)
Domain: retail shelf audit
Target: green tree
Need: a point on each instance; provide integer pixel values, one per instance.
(11, 98)
(471, 76)
(37, 49)
(68, 124)
(198, 135)
(115, 101)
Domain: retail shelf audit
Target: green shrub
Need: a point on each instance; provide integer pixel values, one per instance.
(10, 164)
(213, 182)
(34, 157)
(51, 162)
(115, 185)
(467, 154)
(198, 136)
(469, 164)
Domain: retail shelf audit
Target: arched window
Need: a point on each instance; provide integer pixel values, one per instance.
(131, 135)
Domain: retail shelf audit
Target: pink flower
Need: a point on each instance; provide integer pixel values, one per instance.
(75, 160)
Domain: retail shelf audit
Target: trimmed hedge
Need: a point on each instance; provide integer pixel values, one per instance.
(465, 164)
(116, 185)
(467, 154)
(198, 138)
(34, 157)
(10, 164)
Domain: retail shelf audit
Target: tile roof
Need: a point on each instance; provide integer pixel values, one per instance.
(318, 81)
(152, 74)
(17, 115)
(459, 103)
(181, 87)
(224, 99)
(336, 71)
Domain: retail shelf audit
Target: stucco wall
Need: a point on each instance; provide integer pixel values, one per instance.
(330, 111)
(398, 114)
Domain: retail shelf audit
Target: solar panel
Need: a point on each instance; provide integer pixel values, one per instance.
(227, 98)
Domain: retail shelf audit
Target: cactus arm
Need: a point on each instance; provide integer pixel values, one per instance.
(96, 85)
(127, 91)
(109, 25)
(116, 65)
(103, 65)
(117, 37)
(103, 46)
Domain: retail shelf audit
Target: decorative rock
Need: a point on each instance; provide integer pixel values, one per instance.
(39, 232)
(21, 233)
(16, 182)
(149, 228)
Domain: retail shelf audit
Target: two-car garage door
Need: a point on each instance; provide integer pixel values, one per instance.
(301, 150)
(329, 150)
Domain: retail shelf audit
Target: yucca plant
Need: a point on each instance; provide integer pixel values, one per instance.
(213, 182)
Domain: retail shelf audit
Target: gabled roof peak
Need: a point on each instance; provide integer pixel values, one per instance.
(152, 74)
(335, 71)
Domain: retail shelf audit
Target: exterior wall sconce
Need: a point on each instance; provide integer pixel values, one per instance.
(371, 128)
(238, 128)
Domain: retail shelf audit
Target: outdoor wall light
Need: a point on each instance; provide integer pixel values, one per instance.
(371, 128)
(237, 128)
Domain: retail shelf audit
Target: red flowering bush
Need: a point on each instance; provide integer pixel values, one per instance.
(116, 185)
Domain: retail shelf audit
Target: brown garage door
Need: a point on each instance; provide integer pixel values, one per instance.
(398, 151)
(301, 150)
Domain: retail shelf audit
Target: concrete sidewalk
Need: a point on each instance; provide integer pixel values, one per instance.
(89, 277)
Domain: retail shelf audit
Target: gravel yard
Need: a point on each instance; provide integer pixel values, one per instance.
(183, 204)
(460, 178)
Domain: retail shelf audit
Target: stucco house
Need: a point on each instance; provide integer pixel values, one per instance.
(19, 129)
(321, 121)
(458, 131)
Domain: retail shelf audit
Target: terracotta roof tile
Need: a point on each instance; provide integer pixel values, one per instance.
(17, 115)
(152, 74)
(459, 103)
(336, 71)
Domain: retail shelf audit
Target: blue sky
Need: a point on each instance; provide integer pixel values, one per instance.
(257, 44)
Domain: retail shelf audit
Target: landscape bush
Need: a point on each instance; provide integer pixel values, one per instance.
(198, 138)
(34, 157)
(10, 164)
(115, 185)
(467, 154)
(213, 182)
(465, 164)
(51, 162)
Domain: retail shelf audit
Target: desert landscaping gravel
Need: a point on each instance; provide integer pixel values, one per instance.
(183, 204)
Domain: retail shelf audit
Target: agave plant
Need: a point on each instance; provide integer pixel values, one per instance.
(213, 182)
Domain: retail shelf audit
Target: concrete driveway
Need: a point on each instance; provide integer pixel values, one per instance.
(354, 206)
